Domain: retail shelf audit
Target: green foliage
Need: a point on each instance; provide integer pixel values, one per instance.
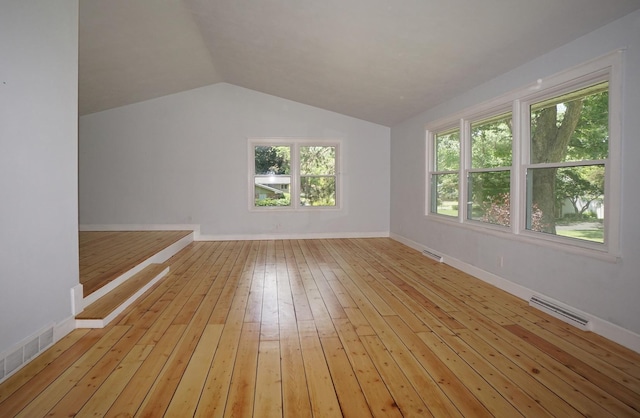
(447, 146)
(446, 186)
(317, 191)
(273, 160)
(284, 201)
(580, 185)
(491, 143)
(590, 140)
(317, 176)
(317, 160)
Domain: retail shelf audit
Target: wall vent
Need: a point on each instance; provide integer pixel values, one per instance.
(46, 338)
(432, 255)
(559, 312)
(31, 349)
(13, 361)
(25, 351)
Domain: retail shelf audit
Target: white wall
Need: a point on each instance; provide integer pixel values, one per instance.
(607, 290)
(38, 165)
(182, 159)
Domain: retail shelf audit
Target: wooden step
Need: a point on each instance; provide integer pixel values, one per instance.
(104, 310)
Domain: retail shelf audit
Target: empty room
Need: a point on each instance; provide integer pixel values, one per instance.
(349, 208)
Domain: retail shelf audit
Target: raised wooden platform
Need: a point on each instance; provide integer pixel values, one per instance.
(107, 255)
(117, 267)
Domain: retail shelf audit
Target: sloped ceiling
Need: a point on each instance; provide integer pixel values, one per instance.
(378, 60)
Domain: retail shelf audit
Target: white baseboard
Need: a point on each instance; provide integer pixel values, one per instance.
(597, 325)
(142, 227)
(197, 236)
(311, 235)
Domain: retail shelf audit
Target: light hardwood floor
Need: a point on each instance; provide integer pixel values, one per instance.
(347, 327)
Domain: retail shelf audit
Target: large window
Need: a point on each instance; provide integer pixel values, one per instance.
(549, 172)
(294, 174)
(568, 150)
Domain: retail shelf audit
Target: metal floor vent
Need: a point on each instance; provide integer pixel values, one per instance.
(15, 360)
(432, 255)
(560, 312)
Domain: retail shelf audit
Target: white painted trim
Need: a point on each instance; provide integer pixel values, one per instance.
(597, 325)
(294, 144)
(77, 304)
(157, 258)
(63, 328)
(311, 235)
(142, 227)
(101, 323)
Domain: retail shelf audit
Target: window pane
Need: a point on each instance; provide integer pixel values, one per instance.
(489, 197)
(444, 199)
(447, 151)
(572, 127)
(272, 160)
(318, 191)
(567, 201)
(491, 143)
(318, 160)
(272, 190)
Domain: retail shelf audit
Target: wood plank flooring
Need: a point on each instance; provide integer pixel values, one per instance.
(326, 328)
(105, 255)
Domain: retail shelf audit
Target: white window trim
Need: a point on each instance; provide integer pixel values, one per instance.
(607, 67)
(431, 164)
(294, 144)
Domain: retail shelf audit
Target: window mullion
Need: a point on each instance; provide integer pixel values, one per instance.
(295, 175)
(520, 153)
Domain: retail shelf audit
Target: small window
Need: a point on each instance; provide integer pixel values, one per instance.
(445, 177)
(294, 175)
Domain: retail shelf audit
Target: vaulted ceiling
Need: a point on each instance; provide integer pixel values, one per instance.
(378, 60)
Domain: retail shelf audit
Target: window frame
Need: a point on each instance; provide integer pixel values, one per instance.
(432, 168)
(294, 144)
(606, 68)
(483, 117)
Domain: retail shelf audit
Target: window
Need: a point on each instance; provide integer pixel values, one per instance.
(539, 163)
(489, 177)
(568, 150)
(294, 174)
(445, 178)
(272, 175)
(318, 175)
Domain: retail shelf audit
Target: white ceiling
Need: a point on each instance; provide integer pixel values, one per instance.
(378, 60)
